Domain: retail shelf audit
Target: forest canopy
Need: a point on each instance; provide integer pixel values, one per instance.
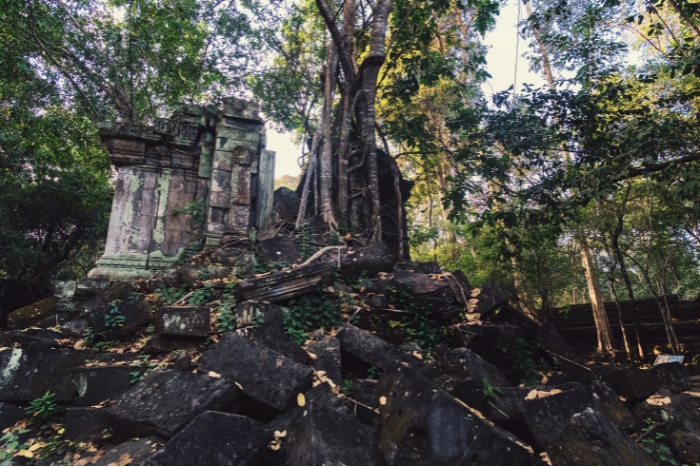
(585, 189)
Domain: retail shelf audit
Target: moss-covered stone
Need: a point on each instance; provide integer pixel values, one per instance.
(32, 314)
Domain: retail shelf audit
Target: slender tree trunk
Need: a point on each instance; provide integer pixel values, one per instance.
(600, 316)
(326, 161)
(308, 183)
(688, 21)
(620, 317)
(543, 51)
(628, 287)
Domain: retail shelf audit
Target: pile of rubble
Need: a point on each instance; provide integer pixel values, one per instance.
(148, 384)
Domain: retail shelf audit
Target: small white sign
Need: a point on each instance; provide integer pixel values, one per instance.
(668, 359)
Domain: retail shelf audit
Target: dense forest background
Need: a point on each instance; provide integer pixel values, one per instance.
(585, 190)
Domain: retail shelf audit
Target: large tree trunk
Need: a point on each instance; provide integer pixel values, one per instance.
(326, 161)
(605, 336)
(543, 51)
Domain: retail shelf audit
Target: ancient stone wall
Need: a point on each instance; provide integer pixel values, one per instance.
(213, 158)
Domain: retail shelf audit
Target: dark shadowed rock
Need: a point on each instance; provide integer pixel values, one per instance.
(424, 425)
(274, 337)
(75, 327)
(86, 424)
(553, 342)
(138, 450)
(135, 312)
(265, 375)
(10, 414)
(159, 344)
(99, 383)
(194, 272)
(215, 438)
(322, 436)
(364, 391)
(377, 301)
(546, 417)
(280, 250)
(591, 439)
(242, 260)
(35, 339)
(361, 260)
(32, 314)
(179, 322)
(423, 267)
(421, 291)
(489, 299)
(468, 371)
(167, 400)
(371, 348)
(253, 311)
(183, 363)
(327, 352)
(285, 206)
(27, 374)
(635, 384)
(673, 376)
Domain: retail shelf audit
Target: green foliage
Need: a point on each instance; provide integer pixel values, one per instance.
(304, 238)
(652, 443)
(373, 372)
(105, 345)
(202, 296)
(170, 295)
(258, 319)
(10, 445)
(418, 322)
(311, 313)
(88, 337)
(114, 318)
(44, 409)
(347, 386)
(525, 364)
(227, 318)
(193, 209)
(490, 391)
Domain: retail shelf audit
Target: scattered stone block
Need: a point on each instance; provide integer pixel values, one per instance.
(280, 250)
(274, 337)
(183, 322)
(199, 272)
(75, 327)
(135, 312)
(265, 375)
(371, 348)
(100, 383)
(120, 291)
(35, 339)
(424, 425)
(469, 371)
(635, 384)
(572, 364)
(427, 267)
(159, 344)
(10, 414)
(321, 436)
(673, 376)
(253, 311)
(26, 374)
(241, 260)
(183, 363)
(215, 438)
(364, 391)
(167, 400)
(32, 314)
(136, 451)
(285, 206)
(362, 261)
(421, 291)
(591, 439)
(171, 277)
(86, 424)
(327, 352)
(286, 284)
(376, 301)
(546, 417)
(489, 298)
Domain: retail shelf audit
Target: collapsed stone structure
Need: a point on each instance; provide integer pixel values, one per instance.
(212, 161)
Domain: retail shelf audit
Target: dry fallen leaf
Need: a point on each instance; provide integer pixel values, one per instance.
(532, 395)
(382, 400)
(214, 374)
(301, 400)
(38, 445)
(280, 434)
(25, 453)
(313, 356)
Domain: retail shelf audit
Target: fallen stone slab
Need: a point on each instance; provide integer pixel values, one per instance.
(167, 400)
(135, 312)
(425, 267)
(132, 452)
(419, 291)
(322, 436)
(564, 355)
(253, 311)
(286, 284)
(275, 337)
(364, 391)
(635, 384)
(183, 322)
(371, 348)
(280, 250)
(591, 439)
(488, 299)
(10, 414)
(424, 425)
(100, 383)
(74, 328)
(360, 261)
(215, 438)
(160, 344)
(199, 272)
(468, 371)
(33, 339)
(32, 314)
(327, 352)
(673, 376)
(27, 374)
(546, 417)
(84, 424)
(241, 260)
(263, 374)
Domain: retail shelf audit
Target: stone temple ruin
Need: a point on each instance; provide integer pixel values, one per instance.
(213, 162)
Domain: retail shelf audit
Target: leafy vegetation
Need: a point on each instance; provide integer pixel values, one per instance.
(311, 313)
(44, 409)
(114, 318)
(652, 443)
(227, 318)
